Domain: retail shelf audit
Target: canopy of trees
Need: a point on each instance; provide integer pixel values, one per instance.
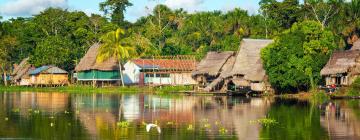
(296, 57)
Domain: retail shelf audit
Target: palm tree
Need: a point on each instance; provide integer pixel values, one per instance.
(113, 46)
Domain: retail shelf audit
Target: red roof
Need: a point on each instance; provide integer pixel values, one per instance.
(168, 64)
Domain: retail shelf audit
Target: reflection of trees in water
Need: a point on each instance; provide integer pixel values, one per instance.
(297, 120)
(341, 119)
(49, 123)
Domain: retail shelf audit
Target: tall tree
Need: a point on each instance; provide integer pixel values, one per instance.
(323, 10)
(285, 13)
(296, 57)
(7, 43)
(114, 46)
(116, 9)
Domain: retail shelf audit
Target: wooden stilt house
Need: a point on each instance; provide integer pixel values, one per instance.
(226, 71)
(248, 71)
(49, 76)
(88, 71)
(343, 67)
(210, 67)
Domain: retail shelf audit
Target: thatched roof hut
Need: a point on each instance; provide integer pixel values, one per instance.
(341, 62)
(248, 62)
(22, 70)
(88, 62)
(213, 63)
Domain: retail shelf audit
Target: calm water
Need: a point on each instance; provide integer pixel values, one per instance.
(46, 116)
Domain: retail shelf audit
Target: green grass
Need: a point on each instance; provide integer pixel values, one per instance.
(89, 89)
(319, 97)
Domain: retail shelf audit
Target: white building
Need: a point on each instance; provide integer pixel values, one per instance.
(159, 72)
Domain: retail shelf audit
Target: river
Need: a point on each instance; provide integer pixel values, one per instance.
(62, 116)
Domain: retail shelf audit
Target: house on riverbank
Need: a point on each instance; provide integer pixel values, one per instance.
(88, 71)
(20, 75)
(210, 68)
(169, 71)
(49, 76)
(248, 71)
(342, 68)
(243, 71)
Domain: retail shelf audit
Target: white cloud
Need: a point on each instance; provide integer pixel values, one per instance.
(188, 5)
(29, 7)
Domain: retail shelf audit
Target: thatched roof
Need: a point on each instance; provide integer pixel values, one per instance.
(22, 69)
(248, 62)
(212, 63)
(356, 45)
(228, 67)
(340, 62)
(88, 62)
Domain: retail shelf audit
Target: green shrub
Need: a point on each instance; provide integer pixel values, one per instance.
(354, 89)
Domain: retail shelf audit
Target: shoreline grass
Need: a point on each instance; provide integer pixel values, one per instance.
(90, 89)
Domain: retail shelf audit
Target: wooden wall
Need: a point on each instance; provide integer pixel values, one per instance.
(49, 79)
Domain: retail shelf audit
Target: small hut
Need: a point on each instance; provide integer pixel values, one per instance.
(248, 71)
(20, 74)
(165, 71)
(342, 68)
(49, 76)
(227, 71)
(88, 71)
(211, 67)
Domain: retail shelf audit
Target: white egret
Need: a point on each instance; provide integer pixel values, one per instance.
(149, 126)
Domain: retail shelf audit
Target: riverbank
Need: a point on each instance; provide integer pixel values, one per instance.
(89, 89)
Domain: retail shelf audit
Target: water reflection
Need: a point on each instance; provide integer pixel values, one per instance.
(113, 116)
(97, 116)
(341, 119)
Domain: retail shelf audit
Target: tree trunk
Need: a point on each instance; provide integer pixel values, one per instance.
(121, 75)
(5, 79)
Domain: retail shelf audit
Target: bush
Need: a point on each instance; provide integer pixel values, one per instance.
(354, 89)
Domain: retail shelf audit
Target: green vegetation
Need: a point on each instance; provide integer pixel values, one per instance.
(266, 122)
(163, 91)
(296, 120)
(116, 9)
(354, 89)
(114, 47)
(319, 97)
(293, 62)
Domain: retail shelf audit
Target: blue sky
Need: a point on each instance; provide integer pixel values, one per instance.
(15, 8)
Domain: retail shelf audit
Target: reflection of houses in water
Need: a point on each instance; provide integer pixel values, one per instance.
(235, 114)
(340, 121)
(48, 102)
(99, 113)
(168, 109)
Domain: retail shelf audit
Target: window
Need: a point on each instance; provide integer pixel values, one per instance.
(149, 75)
(165, 75)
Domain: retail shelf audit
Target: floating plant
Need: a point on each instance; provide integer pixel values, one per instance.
(123, 124)
(190, 127)
(265, 122)
(223, 130)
